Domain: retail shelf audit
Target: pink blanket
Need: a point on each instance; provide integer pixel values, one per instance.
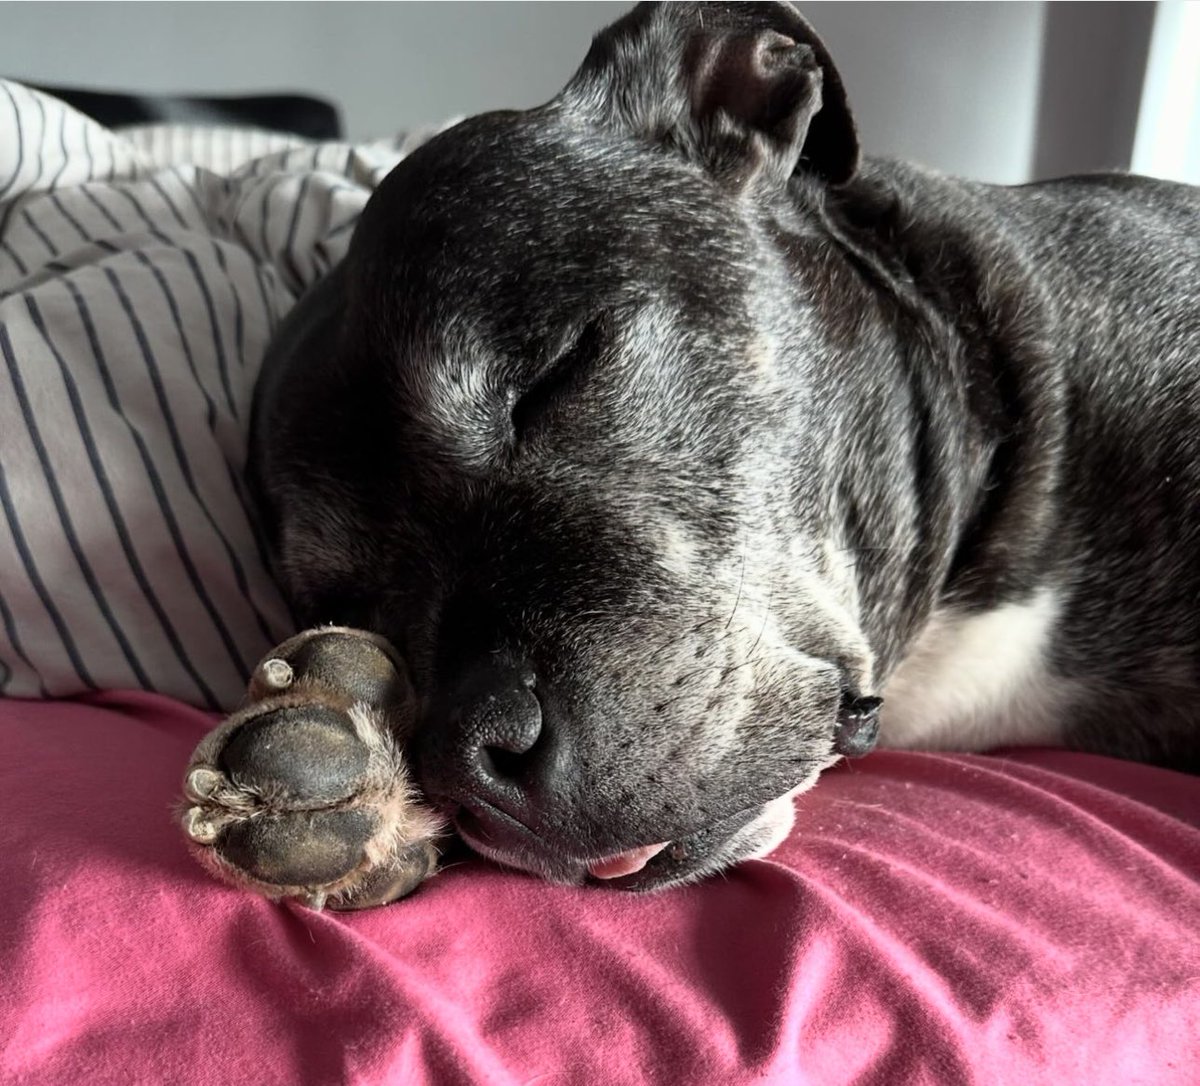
(1024, 919)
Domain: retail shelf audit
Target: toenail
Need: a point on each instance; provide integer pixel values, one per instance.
(277, 674)
(198, 827)
(201, 783)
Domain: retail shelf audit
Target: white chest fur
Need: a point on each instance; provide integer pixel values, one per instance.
(976, 681)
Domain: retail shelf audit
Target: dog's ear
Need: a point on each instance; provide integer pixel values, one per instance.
(748, 89)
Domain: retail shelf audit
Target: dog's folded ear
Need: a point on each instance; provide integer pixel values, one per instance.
(747, 89)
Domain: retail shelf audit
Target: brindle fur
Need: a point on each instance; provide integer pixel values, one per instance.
(659, 394)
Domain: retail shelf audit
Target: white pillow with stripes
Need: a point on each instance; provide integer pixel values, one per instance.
(141, 276)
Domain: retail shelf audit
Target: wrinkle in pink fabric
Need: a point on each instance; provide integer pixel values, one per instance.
(1027, 918)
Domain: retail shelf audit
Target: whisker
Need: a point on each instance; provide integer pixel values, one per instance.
(761, 630)
(741, 582)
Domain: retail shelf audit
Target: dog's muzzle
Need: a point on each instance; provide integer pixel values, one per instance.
(490, 761)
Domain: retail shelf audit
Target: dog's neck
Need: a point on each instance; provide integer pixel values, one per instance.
(965, 412)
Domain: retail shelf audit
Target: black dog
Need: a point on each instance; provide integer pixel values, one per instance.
(661, 437)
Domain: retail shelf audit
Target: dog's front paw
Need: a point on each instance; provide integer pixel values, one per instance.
(304, 792)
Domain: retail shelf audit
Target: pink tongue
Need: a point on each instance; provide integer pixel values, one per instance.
(625, 863)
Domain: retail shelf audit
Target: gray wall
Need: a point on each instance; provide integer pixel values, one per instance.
(956, 85)
(1093, 64)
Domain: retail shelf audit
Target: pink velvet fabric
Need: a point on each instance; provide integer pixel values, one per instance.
(1025, 919)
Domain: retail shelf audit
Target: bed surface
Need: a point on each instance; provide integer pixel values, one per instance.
(1022, 919)
(1031, 917)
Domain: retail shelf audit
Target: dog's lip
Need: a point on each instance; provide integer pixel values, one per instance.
(688, 858)
(504, 838)
(625, 863)
(487, 825)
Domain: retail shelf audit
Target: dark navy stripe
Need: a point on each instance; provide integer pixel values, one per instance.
(41, 142)
(264, 216)
(264, 227)
(269, 311)
(20, 147)
(10, 628)
(173, 432)
(157, 186)
(238, 484)
(260, 539)
(321, 260)
(152, 474)
(238, 231)
(289, 252)
(156, 483)
(87, 150)
(39, 231)
(211, 419)
(12, 254)
(64, 516)
(91, 196)
(110, 499)
(260, 161)
(215, 329)
(239, 319)
(56, 200)
(62, 143)
(341, 227)
(39, 586)
(210, 407)
(206, 294)
(342, 186)
(6, 213)
(189, 188)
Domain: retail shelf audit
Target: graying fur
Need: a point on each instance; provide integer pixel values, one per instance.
(802, 410)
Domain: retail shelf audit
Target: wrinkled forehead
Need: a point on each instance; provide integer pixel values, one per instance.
(508, 210)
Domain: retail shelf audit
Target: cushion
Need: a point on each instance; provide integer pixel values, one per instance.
(1031, 918)
(141, 275)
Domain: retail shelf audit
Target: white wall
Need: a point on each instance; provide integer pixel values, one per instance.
(1168, 130)
(954, 85)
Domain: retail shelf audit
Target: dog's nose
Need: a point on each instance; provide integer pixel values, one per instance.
(486, 744)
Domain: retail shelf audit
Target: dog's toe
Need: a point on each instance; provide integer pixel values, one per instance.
(203, 825)
(310, 848)
(408, 868)
(202, 783)
(305, 755)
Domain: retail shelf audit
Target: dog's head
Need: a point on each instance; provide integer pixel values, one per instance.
(567, 443)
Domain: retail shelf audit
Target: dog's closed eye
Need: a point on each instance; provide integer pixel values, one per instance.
(549, 386)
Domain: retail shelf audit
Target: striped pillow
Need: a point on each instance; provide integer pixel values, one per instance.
(141, 276)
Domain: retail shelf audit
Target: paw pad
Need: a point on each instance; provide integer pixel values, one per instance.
(304, 792)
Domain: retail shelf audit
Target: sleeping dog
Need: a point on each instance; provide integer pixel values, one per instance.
(656, 439)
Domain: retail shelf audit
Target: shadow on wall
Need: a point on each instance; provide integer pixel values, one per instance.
(1093, 65)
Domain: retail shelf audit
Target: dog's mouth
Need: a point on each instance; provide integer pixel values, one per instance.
(656, 866)
(625, 863)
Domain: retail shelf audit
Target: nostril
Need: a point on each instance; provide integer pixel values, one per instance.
(497, 721)
(502, 764)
